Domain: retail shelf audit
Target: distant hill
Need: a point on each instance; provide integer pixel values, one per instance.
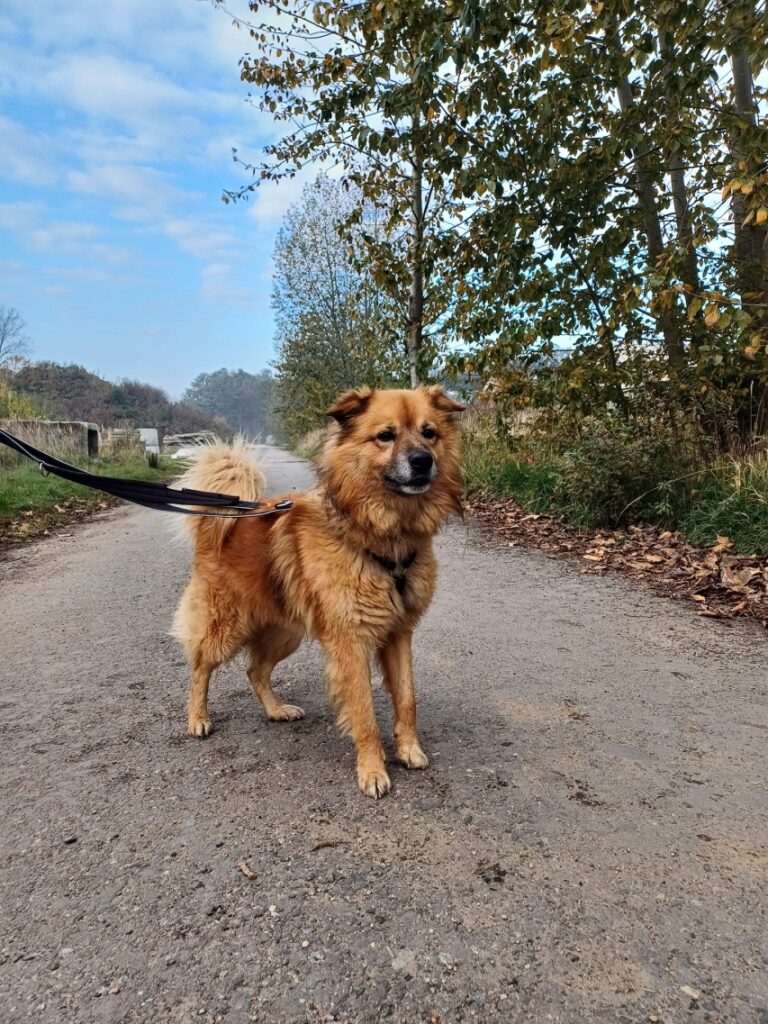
(73, 393)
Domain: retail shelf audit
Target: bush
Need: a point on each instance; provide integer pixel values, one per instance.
(16, 406)
(613, 476)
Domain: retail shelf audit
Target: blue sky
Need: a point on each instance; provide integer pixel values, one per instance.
(117, 122)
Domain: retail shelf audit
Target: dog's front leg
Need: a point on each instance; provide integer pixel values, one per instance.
(349, 683)
(397, 667)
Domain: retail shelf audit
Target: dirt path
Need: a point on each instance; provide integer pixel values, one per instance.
(589, 844)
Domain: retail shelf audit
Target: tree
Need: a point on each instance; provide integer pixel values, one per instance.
(67, 392)
(355, 89)
(140, 405)
(15, 406)
(244, 400)
(598, 171)
(602, 144)
(14, 342)
(335, 327)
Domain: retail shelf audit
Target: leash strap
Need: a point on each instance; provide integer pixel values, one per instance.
(146, 492)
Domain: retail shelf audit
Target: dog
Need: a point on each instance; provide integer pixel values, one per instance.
(351, 565)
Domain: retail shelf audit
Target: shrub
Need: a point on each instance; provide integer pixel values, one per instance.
(16, 406)
(614, 475)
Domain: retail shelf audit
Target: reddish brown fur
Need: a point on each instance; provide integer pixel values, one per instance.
(264, 584)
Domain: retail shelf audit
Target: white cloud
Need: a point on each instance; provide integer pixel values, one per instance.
(19, 216)
(140, 193)
(35, 229)
(61, 236)
(222, 285)
(201, 239)
(27, 158)
(12, 273)
(105, 86)
(270, 201)
(170, 31)
(135, 108)
(75, 273)
(131, 92)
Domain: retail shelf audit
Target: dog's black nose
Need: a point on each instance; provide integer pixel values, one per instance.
(420, 460)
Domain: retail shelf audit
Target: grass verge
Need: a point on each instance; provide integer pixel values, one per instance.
(611, 479)
(309, 445)
(31, 503)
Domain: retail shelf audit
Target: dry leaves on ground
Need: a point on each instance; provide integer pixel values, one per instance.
(48, 520)
(724, 585)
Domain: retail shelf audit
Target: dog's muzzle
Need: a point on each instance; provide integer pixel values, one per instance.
(412, 473)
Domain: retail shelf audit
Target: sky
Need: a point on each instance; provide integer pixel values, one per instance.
(117, 123)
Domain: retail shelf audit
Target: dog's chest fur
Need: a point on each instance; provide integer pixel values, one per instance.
(339, 586)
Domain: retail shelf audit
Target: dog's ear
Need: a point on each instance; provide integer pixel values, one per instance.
(350, 404)
(442, 402)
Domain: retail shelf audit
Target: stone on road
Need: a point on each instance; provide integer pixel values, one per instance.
(589, 843)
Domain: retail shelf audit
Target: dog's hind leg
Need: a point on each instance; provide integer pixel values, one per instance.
(269, 647)
(207, 626)
(397, 667)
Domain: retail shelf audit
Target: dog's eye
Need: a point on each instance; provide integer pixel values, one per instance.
(429, 433)
(386, 435)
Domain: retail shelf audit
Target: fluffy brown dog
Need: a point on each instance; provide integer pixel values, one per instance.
(350, 565)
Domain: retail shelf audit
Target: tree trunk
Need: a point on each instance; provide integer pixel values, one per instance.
(750, 241)
(690, 268)
(652, 225)
(415, 315)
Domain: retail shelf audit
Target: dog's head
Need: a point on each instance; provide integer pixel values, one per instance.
(397, 449)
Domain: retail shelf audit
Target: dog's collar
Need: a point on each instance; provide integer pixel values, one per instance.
(397, 570)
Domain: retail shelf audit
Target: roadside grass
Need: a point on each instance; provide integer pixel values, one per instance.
(308, 446)
(23, 488)
(611, 480)
(730, 499)
(492, 467)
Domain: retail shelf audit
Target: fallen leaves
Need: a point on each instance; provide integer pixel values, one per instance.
(724, 585)
(39, 522)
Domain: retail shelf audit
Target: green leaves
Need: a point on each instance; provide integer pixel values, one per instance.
(573, 154)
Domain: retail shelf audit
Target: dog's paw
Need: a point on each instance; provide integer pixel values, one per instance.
(373, 782)
(200, 726)
(286, 713)
(411, 755)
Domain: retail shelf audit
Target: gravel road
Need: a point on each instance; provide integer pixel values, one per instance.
(589, 844)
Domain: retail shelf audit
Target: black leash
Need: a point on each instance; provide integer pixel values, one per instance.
(146, 492)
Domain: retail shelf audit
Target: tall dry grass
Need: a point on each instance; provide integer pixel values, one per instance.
(310, 444)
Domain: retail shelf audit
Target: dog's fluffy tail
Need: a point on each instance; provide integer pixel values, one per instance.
(225, 469)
